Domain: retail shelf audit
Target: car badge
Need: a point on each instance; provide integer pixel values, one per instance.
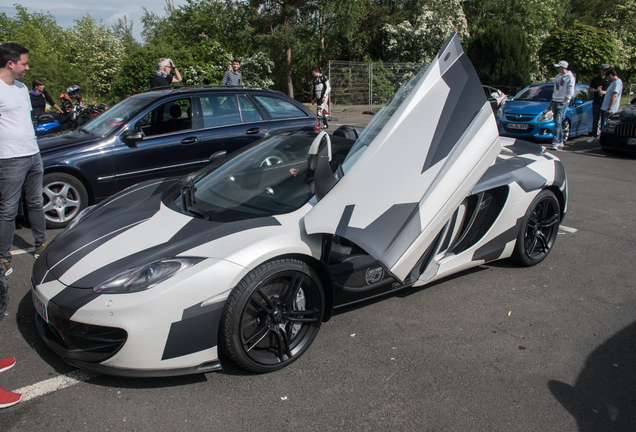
(518, 116)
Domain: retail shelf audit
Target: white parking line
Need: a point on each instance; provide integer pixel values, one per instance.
(22, 251)
(568, 229)
(58, 383)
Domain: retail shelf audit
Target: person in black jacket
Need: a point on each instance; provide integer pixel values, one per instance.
(162, 77)
(39, 98)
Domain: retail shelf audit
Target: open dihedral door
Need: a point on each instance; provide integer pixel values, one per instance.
(413, 165)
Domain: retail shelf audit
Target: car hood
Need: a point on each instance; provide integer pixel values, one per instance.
(525, 107)
(65, 140)
(132, 228)
(628, 115)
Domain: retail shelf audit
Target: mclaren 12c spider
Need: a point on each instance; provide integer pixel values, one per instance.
(249, 255)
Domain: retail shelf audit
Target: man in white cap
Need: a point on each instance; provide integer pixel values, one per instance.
(563, 92)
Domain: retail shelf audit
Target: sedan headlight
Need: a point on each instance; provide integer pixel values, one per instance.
(146, 276)
(611, 122)
(546, 116)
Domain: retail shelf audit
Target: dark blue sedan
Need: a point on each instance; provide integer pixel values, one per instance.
(523, 116)
(159, 133)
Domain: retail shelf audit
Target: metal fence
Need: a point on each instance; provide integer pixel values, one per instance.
(372, 84)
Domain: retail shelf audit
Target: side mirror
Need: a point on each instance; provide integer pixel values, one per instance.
(217, 156)
(578, 102)
(130, 138)
(318, 159)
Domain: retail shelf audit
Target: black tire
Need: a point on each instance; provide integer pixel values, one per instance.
(539, 230)
(272, 316)
(64, 198)
(565, 126)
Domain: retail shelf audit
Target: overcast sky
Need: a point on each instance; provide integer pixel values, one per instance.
(108, 11)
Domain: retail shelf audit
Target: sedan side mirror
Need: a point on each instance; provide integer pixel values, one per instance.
(130, 138)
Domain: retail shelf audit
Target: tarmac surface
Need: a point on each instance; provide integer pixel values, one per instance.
(497, 347)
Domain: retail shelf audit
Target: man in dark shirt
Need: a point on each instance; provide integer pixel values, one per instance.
(162, 77)
(598, 84)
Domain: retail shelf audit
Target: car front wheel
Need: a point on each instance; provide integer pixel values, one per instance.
(272, 316)
(566, 129)
(539, 230)
(64, 197)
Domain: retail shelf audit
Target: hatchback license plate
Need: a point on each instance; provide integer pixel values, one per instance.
(40, 306)
(631, 141)
(517, 126)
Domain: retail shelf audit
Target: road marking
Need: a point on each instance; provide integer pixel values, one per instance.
(22, 251)
(58, 383)
(568, 229)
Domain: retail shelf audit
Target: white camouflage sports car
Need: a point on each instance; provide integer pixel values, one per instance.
(251, 254)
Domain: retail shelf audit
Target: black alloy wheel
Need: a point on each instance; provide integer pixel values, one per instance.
(272, 316)
(539, 230)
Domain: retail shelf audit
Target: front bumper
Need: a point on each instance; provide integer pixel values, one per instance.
(534, 130)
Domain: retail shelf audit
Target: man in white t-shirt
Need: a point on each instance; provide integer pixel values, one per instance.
(612, 100)
(564, 84)
(20, 163)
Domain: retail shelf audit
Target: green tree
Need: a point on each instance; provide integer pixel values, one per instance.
(41, 35)
(501, 56)
(619, 19)
(96, 51)
(535, 17)
(419, 39)
(583, 46)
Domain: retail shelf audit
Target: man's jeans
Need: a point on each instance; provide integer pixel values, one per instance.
(597, 126)
(558, 112)
(18, 174)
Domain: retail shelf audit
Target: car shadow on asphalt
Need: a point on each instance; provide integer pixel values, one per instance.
(604, 395)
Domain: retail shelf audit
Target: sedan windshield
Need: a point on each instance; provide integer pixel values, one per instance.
(113, 118)
(267, 179)
(538, 93)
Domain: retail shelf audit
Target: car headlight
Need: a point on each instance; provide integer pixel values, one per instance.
(146, 276)
(546, 116)
(611, 122)
(500, 113)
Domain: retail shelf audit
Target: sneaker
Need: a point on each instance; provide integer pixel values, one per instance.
(8, 398)
(6, 363)
(40, 249)
(559, 147)
(7, 266)
(593, 139)
(325, 127)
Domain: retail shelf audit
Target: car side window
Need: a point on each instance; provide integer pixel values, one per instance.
(219, 110)
(173, 116)
(279, 108)
(248, 110)
(581, 95)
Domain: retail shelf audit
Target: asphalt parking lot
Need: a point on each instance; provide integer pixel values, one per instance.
(551, 347)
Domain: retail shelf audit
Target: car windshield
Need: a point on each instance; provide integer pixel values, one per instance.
(538, 93)
(381, 119)
(266, 179)
(108, 121)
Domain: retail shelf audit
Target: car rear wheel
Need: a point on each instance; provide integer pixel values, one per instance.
(272, 316)
(566, 129)
(539, 230)
(64, 197)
